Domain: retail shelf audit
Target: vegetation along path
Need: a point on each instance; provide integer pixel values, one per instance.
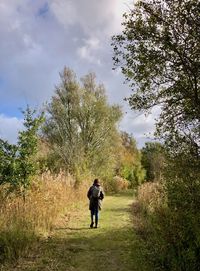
(75, 247)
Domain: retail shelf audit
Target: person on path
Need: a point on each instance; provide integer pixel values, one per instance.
(95, 195)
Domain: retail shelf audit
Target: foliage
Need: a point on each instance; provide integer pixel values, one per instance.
(17, 161)
(81, 126)
(168, 238)
(153, 159)
(129, 164)
(8, 162)
(158, 52)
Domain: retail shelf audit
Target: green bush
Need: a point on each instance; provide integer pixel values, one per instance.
(171, 236)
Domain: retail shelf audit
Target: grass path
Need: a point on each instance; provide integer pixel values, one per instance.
(75, 247)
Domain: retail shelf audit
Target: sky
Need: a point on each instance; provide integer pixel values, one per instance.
(40, 37)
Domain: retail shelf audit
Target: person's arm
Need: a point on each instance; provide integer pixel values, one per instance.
(102, 195)
(89, 193)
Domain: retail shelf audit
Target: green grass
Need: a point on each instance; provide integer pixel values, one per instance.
(73, 246)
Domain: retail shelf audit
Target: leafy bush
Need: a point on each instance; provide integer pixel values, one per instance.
(169, 238)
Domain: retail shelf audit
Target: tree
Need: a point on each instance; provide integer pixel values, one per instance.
(158, 52)
(129, 161)
(17, 160)
(8, 162)
(27, 147)
(153, 159)
(81, 127)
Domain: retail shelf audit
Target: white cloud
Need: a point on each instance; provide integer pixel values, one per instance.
(33, 48)
(138, 124)
(65, 12)
(89, 51)
(99, 17)
(141, 126)
(93, 43)
(9, 128)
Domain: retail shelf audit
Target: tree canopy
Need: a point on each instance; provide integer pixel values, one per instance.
(81, 126)
(158, 52)
(159, 55)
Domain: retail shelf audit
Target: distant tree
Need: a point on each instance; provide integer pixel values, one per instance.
(153, 160)
(129, 162)
(81, 127)
(158, 52)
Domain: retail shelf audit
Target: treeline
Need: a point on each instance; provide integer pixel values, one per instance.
(158, 52)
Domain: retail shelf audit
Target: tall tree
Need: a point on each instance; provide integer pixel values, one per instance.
(81, 126)
(159, 54)
(61, 127)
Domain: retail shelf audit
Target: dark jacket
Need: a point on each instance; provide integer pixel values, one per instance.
(95, 203)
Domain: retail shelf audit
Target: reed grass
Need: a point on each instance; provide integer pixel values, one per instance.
(23, 222)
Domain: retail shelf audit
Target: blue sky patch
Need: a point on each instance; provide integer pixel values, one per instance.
(43, 10)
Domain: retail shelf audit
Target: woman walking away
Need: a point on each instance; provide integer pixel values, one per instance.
(95, 195)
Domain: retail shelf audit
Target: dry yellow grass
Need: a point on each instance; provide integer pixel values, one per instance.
(116, 184)
(48, 198)
(151, 195)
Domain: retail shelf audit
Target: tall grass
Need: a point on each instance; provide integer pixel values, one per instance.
(22, 222)
(151, 196)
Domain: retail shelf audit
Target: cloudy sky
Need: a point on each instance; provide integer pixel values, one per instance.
(40, 37)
